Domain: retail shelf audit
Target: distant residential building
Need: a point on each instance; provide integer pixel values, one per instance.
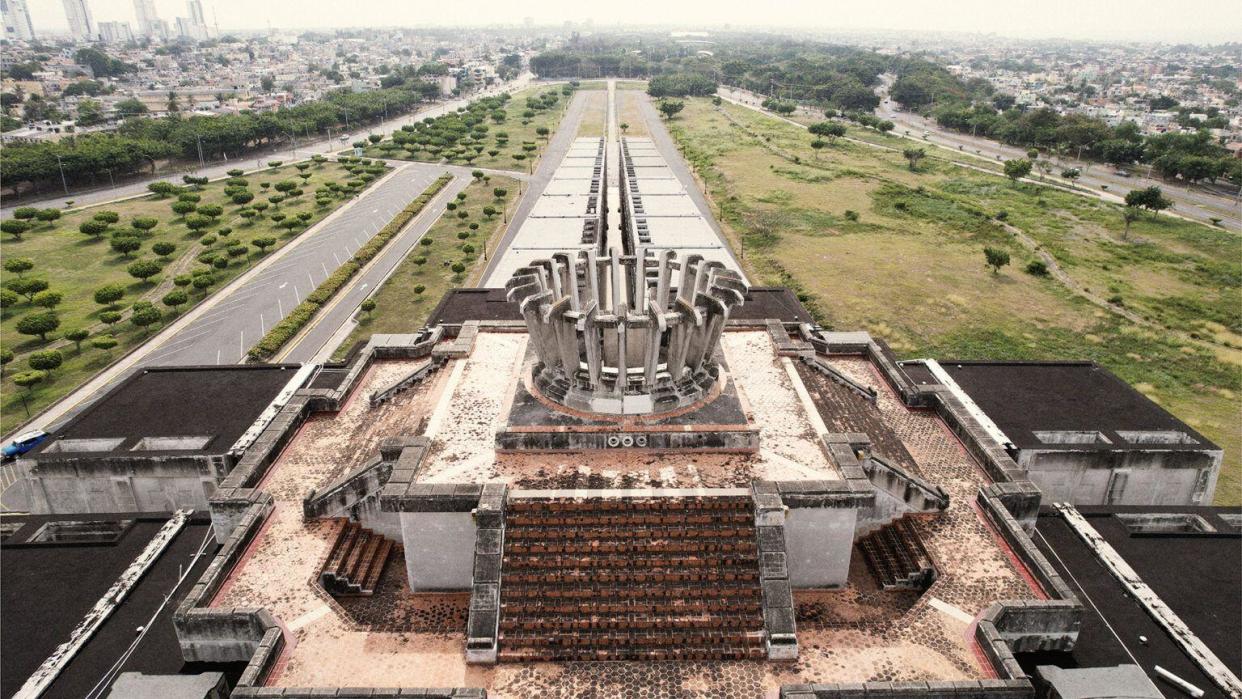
(115, 32)
(148, 21)
(81, 26)
(196, 12)
(16, 17)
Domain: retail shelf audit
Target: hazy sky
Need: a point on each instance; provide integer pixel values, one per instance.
(1198, 21)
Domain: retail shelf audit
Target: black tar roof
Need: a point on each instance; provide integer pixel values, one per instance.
(460, 305)
(46, 590)
(221, 402)
(1024, 397)
(1198, 576)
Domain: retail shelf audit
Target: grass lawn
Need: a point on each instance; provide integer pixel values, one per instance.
(871, 244)
(400, 307)
(628, 114)
(595, 116)
(75, 265)
(521, 130)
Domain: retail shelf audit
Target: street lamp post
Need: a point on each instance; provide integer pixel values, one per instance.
(63, 182)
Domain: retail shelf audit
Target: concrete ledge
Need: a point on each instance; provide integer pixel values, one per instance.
(483, 622)
(779, 623)
(931, 689)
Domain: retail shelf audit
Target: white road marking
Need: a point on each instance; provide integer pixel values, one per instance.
(309, 618)
(950, 610)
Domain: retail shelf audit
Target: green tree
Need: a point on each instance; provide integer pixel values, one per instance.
(108, 295)
(263, 244)
(126, 245)
(670, 108)
(1072, 174)
(46, 361)
(8, 299)
(829, 130)
(25, 213)
(26, 286)
(817, 144)
(76, 336)
(913, 156)
(144, 315)
(110, 318)
(48, 299)
(1129, 215)
(145, 223)
(1151, 198)
(163, 189)
(164, 248)
(367, 306)
(144, 270)
(175, 298)
(14, 227)
(104, 342)
(995, 258)
(28, 380)
(40, 324)
(18, 265)
(1017, 169)
(95, 229)
(48, 215)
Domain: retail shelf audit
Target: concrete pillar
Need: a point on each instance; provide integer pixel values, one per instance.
(819, 542)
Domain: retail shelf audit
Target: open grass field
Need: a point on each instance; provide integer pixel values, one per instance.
(75, 265)
(405, 300)
(498, 151)
(871, 244)
(595, 116)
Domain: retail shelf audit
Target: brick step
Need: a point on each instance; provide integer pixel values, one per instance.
(633, 622)
(579, 576)
(356, 561)
(633, 519)
(526, 562)
(629, 534)
(527, 655)
(372, 576)
(591, 590)
(895, 555)
(673, 505)
(544, 608)
(655, 638)
(645, 548)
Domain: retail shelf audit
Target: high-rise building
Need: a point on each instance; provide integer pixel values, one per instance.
(196, 12)
(16, 20)
(79, 15)
(148, 21)
(115, 32)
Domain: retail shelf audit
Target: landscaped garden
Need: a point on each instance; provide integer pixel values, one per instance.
(84, 286)
(451, 254)
(502, 132)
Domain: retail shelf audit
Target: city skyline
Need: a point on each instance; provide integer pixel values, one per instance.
(1214, 21)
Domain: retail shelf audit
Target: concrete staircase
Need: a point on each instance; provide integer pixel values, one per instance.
(897, 558)
(630, 579)
(357, 559)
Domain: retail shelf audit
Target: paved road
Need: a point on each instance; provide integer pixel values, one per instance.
(551, 159)
(317, 343)
(1097, 179)
(304, 150)
(226, 333)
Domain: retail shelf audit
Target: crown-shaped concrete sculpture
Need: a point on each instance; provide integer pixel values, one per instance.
(625, 334)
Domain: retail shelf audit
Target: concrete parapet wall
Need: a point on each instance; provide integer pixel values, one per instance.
(361, 692)
(208, 634)
(931, 689)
